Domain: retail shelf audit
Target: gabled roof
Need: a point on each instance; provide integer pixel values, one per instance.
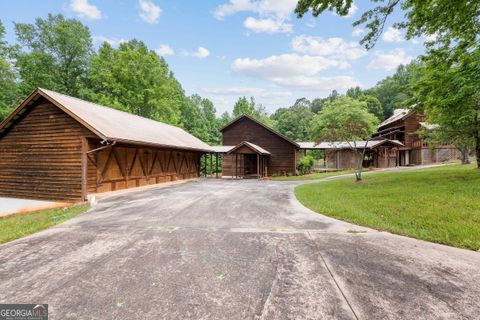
(114, 125)
(222, 149)
(244, 116)
(398, 114)
(347, 145)
(250, 145)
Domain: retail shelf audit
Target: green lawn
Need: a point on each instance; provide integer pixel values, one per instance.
(437, 204)
(313, 176)
(17, 226)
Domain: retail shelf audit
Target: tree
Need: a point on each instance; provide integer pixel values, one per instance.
(250, 108)
(346, 119)
(317, 105)
(295, 122)
(58, 53)
(394, 91)
(448, 20)
(449, 93)
(136, 80)
(354, 93)
(8, 84)
(198, 118)
(373, 105)
(244, 106)
(303, 102)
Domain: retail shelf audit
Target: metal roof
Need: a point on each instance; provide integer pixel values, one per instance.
(398, 114)
(346, 145)
(114, 125)
(222, 149)
(252, 146)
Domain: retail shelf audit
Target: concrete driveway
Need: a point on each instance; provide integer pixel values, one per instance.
(221, 249)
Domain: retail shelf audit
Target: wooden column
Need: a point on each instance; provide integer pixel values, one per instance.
(258, 166)
(211, 164)
(236, 166)
(216, 165)
(84, 169)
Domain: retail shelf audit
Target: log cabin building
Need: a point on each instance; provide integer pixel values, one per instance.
(56, 147)
(396, 143)
(252, 149)
(403, 126)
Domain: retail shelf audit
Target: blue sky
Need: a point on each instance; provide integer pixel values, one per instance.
(228, 48)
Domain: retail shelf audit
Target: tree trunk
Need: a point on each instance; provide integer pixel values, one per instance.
(465, 156)
(477, 149)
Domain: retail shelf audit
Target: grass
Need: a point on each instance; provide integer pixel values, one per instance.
(313, 176)
(17, 226)
(439, 204)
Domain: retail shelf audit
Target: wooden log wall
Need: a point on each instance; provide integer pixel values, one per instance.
(283, 156)
(40, 156)
(122, 167)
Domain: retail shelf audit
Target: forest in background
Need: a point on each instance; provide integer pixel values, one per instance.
(58, 54)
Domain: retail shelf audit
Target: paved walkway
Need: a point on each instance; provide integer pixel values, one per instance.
(221, 249)
(11, 205)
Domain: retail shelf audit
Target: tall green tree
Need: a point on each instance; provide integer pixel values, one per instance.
(346, 119)
(136, 80)
(250, 108)
(295, 121)
(198, 118)
(56, 55)
(374, 106)
(394, 91)
(244, 106)
(8, 84)
(449, 93)
(448, 20)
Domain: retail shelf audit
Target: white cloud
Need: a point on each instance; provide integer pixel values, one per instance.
(357, 32)
(246, 91)
(165, 50)
(111, 41)
(274, 15)
(318, 83)
(85, 10)
(280, 8)
(351, 12)
(392, 35)
(332, 47)
(149, 11)
(200, 53)
(284, 65)
(294, 71)
(390, 60)
(267, 25)
(311, 23)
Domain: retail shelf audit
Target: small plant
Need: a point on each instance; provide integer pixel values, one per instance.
(305, 166)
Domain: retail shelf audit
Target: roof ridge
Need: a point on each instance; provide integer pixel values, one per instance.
(106, 107)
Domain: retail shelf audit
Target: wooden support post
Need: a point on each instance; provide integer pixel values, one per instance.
(216, 165)
(236, 165)
(84, 169)
(199, 166)
(211, 164)
(338, 159)
(258, 166)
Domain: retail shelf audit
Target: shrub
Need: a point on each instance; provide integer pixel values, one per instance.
(305, 166)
